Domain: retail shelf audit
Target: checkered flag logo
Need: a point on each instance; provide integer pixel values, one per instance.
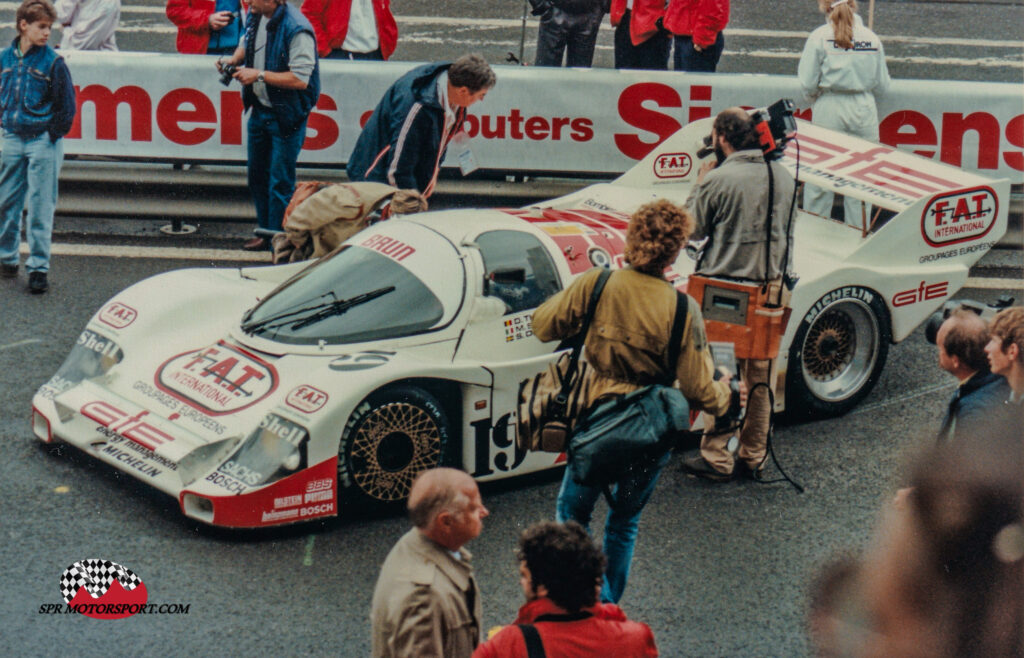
(96, 576)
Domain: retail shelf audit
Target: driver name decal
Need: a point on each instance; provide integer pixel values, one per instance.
(221, 379)
(390, 247)
(518, 327)
(959, 216)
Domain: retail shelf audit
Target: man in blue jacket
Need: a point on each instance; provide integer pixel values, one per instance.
(280, 74)
(37, 107)
(404, 141)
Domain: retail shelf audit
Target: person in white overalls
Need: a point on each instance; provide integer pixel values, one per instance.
(842, 69)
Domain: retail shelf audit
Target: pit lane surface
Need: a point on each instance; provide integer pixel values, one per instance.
(720, 570)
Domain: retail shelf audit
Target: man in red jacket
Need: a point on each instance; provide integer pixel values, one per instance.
(697, 26)
(352, 29)
(560, 571)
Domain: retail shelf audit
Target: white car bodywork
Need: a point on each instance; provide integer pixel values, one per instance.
(173, 382)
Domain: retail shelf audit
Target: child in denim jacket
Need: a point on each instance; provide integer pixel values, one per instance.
(37, 107)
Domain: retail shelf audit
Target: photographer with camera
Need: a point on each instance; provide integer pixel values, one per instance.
(743, 205)
(278, 67)
(628, 346)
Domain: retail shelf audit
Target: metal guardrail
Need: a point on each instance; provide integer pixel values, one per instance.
(183, 193)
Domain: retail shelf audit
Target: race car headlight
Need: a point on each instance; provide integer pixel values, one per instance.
(274, 450)
(200, 460)
(92, 356)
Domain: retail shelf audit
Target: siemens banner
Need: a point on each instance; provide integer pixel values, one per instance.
(160, 106)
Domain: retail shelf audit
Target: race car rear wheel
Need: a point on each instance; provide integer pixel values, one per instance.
(392, 436)
(837, 355)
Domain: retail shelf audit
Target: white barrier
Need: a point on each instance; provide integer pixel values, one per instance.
(150, 105)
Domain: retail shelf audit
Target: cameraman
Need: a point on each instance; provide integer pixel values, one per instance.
(280, 73)
(730, 205)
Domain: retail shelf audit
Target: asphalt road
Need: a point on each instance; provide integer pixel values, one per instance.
(720, 570)
(931, 39)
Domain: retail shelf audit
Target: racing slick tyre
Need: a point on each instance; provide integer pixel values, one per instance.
(392, 436)
(837, 353)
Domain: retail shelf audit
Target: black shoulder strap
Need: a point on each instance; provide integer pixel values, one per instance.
(768, 224)
(534, 647)
(676, 337)
(577, 347)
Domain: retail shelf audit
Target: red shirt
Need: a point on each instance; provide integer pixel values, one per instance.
(606, 633)
(700, 19)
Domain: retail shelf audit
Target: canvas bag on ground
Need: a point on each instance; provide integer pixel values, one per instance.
(632, 430)
(549, 401)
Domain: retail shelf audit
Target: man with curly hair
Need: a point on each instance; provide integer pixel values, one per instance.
(627, 348)
(1005, 351)
(560, 572)
(730, 205)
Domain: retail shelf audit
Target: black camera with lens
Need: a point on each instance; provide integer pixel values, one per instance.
(986, 311)
(774, 126)
(227, 73)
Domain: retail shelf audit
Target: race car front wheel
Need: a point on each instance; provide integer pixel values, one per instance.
(837, 353)
(391, 437)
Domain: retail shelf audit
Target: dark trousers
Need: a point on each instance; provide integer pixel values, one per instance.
(688, 59)
(272, 158)
(651, 54)
(340, 53)
(560, 32)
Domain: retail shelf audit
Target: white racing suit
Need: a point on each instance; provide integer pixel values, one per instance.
(843, 85)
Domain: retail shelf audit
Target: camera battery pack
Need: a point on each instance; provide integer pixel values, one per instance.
(740, 313)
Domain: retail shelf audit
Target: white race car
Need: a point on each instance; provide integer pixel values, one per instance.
(269, 395)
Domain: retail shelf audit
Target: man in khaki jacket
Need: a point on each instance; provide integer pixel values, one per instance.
(426, 602)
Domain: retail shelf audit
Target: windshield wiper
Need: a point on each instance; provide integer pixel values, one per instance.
(317, 312)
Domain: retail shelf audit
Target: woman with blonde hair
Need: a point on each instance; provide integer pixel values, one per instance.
(842, 70)
(627, 348)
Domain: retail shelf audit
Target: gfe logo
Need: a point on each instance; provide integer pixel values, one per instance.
(102, 589)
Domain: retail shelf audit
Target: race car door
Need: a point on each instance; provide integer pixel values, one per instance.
(517, 275)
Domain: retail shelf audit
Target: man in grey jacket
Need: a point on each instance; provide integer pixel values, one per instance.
(730, 206)
(427, 602)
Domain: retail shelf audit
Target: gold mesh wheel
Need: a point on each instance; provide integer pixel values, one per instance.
(393, 442)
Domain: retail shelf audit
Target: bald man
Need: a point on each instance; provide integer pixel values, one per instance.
(980, 396)
(426, 602)
(730, 206)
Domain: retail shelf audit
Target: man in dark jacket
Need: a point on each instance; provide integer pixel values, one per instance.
(568, 27)
(280, 76)
(404, 141)
(980, 396)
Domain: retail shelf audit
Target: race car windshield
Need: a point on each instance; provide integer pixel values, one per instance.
(354, 296)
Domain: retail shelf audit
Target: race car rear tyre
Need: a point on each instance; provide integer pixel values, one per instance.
(837, 353)
(391, 437)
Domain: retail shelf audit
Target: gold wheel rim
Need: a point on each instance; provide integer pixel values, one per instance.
(391, 447)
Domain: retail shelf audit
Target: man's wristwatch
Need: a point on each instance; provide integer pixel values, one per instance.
(260, 78)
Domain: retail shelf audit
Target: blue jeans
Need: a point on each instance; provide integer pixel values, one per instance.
(576, 503)
(28, 166)
(688, 59)
(272, 158)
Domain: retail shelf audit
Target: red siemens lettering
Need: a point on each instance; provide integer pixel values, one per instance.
(186, 106)
(105, 104)
(633, 112)
(910, 128)
(954, 126)
(323, 127)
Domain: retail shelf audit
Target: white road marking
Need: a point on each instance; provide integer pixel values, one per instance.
(307, 559)
(448, 22)
(19, 343)
(178, 253)
(902, 398)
